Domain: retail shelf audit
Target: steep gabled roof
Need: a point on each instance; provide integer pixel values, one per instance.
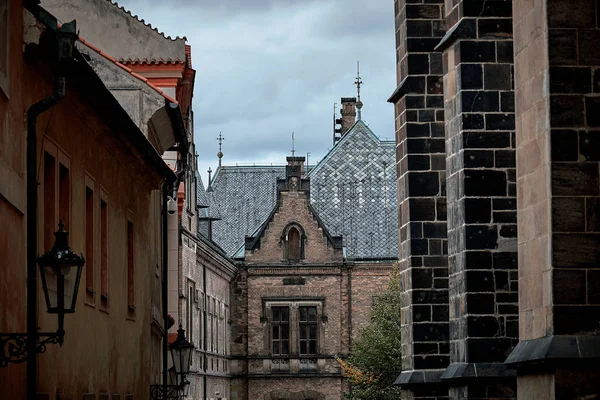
(353, 188)
(126, 69)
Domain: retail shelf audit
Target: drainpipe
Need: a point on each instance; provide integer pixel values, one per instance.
(165, 290)
(66, 37)
(204, 358)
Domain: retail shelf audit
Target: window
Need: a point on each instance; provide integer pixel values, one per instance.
(294, 244)
(292, 239)
(49, 201)
(104, 252)
(4, 46)
(64, 195)
(308, 330)
(190, 308)
(89, 241)
(280, 330)
(130, 267)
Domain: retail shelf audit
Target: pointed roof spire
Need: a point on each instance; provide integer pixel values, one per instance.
(220, 153)
(358, 82)
(209, 188)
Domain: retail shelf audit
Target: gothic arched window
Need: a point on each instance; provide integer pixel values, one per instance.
(293, 242)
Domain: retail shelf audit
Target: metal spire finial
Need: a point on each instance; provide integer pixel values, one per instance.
(209, 176)
(220, 153)
(293, 148)
(358, 82)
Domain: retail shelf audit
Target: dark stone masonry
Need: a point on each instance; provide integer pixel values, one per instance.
(497, 111)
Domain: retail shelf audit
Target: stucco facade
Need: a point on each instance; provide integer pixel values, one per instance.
(102, 178)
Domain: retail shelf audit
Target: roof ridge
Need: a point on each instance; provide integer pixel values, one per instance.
(145, 23)
(128, 70)
(151, 61)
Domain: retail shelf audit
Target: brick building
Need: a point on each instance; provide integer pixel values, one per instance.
(495, 117)
(313, 245)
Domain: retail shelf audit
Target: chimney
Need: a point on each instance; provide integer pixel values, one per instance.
(294, 173)
(348, 113)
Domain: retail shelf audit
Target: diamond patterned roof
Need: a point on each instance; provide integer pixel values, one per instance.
(353, 190)
(245, 196)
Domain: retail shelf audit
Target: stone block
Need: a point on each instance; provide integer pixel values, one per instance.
(495, 28)
(484, 326)
(477, 51)
(477, 210)
(419, 28)
(504, 51)
(421, 313)
(569, 286)
(564, 145)
(418, 162)
(571, 14)
(471, 76)
(479, 281)
(430, 332)
(500, 122)
(573, 320)
(575, 250)
(423, 11)
(422, 210)
(589, 145)
(562, 46)
(485, 183)
(575, 179)
(507, 101)
(567, 111)
(418, 64)
(417, 130)
(568, 214)
(479, 100)
(423, 184)
(570, 79)
(498, 77)
(480, 303)
(473, 121)
(593, 286)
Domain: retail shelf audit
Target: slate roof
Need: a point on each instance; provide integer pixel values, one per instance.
(353, 191)
(245, 196)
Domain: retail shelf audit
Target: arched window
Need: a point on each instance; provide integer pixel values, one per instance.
(292, 239)
(294, 244)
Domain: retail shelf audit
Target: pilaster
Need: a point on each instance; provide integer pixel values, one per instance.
(481, 193)
(421, 171)
(557, 79)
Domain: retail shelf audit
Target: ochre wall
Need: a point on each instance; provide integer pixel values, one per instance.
(104, 351)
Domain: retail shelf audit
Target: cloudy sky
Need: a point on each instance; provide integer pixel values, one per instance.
(267, 68)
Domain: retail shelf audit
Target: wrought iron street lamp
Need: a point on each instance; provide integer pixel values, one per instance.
(181, 355)
(60, 271)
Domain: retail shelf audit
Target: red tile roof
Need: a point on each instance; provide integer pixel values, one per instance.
(129, 70)
(151, 61)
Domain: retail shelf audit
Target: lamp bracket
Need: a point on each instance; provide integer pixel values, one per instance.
(13, 346)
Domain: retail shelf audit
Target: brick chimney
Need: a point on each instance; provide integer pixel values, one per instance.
(294, 173)
(348, 113)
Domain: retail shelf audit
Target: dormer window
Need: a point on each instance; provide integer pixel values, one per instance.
(292, 240)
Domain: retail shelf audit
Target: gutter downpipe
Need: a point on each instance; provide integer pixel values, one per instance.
(32, 204)
(165, 261)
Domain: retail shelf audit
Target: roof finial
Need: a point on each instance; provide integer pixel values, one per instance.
(220, 153)
(293, 148)
(209, 178)
(358, 82)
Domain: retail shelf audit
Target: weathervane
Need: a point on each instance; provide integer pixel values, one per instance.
(358, 82)
(220, 153)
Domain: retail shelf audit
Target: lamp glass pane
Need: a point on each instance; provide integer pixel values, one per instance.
(51, 280)
(176, 354)
(72, 275)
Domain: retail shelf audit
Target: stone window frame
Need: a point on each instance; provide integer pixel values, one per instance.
(294, 305)
(284, 241)
(5, 75)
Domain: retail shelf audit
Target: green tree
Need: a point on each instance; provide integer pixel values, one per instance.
(376, 358)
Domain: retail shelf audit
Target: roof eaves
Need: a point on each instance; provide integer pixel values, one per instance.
(128, 70)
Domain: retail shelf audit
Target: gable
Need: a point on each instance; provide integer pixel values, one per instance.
(291, 217)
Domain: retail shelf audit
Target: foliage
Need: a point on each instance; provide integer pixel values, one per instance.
(376, 358)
